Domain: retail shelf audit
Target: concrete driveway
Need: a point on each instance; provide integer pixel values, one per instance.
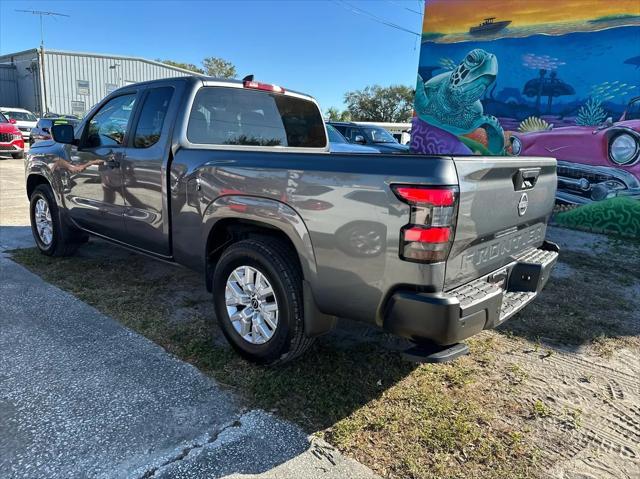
(82, 396)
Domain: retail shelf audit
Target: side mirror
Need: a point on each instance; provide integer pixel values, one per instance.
(359, 139)
(12, 121)
(63, 134)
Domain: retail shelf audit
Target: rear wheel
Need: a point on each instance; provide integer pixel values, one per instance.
(17, 156)
(257, 290)
(53, 237)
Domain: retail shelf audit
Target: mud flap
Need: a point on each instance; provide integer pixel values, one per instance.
(316, 323)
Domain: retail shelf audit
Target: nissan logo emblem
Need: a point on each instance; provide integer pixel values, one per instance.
(522, 204)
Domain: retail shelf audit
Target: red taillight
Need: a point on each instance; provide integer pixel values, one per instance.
(262, 86)
(433, 196)
(429, 234)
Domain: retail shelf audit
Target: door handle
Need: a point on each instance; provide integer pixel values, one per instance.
(525, 178)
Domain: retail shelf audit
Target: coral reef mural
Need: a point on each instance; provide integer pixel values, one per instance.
(561, 79)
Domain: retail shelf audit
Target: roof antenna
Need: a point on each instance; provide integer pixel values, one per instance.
(248, 78)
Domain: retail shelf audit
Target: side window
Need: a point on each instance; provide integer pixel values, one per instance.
(349, 133)
(341, 129)
(154, 110)
(109, 126)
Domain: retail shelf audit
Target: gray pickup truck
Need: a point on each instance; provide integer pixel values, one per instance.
(234, 179)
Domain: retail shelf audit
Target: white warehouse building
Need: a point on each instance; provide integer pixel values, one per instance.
(65, 82)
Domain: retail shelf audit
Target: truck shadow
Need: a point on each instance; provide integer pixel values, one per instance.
(593, 295)
(169, 304)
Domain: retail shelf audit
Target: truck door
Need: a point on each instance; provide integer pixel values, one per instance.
(92, 180)
(144, 187)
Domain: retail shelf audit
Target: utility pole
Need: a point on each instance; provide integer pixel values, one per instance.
(42, 14)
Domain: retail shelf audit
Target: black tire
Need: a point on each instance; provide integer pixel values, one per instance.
(17, 156)
(65, 239)
(274, 260)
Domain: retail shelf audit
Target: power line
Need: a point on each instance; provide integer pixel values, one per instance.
(406, 8)
(360, 11)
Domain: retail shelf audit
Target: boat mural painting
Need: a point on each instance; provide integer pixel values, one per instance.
(505, 77)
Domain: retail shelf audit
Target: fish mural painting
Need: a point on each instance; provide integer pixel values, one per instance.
(544, 78)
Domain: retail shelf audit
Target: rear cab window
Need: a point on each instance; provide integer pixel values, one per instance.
(239, 116)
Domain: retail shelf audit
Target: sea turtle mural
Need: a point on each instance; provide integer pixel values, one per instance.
(450, 101)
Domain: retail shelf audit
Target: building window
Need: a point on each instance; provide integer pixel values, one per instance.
(110, 87)
(77, 108)
(83, 87)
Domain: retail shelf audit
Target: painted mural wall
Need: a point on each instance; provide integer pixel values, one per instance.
(537, 77)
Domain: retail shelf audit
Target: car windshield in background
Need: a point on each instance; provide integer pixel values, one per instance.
(238, 116)
(633, 110)
(20, 115)
(335, 136)
(379, 135)
(65, 121)
(3, 119)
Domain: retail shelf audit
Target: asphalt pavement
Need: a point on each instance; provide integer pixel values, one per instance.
(83, 396)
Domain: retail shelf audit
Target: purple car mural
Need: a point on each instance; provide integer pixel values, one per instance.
(594, 162)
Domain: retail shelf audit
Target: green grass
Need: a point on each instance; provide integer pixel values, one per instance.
(402, 420)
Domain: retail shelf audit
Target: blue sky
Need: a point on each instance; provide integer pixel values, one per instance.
(320, 47)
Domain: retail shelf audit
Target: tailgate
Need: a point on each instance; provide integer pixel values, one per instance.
(505, 203)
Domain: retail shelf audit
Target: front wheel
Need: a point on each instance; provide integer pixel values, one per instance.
(257, 290)
(17, 156)
(52, 236)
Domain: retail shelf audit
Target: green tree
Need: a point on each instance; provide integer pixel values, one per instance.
(385, 104)
(219, 68)
(334, 114)
(186, 66)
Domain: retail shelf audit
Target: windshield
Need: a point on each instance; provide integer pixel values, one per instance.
(20, 115)
(378, 135)
(335, 136)
(633, 110)
(3, 119)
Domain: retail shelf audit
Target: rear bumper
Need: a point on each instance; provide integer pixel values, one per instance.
(16, 146)
(448, 318)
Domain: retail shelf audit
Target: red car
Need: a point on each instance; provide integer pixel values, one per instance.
(10, 138)
(594, 162)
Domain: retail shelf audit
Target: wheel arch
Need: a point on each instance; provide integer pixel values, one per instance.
(234, 217)
(33, 180)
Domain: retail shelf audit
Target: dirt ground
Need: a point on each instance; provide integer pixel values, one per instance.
(554, 392)
(587, 388)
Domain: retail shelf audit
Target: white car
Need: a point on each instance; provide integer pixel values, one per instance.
(23, 119)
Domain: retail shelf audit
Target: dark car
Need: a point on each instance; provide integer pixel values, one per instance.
(369, 135)
(42, 130)
(338, 143)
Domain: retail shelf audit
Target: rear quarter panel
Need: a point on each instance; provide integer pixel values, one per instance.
(343, 206)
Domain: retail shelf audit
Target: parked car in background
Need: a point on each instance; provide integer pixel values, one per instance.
(235, 179)
(369, 135)
(400, 131)
(42, 130)
(339, 143)
(594, 162)
(56, 115)
(11, 140)
(23, 119)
